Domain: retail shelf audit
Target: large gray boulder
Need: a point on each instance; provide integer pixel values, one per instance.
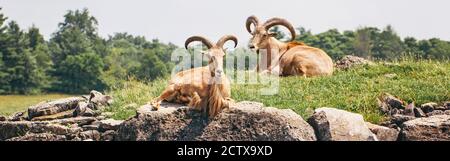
(433, 128)
(243, 121)
(332, 124)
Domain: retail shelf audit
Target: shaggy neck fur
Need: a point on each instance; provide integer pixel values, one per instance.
(216, 100)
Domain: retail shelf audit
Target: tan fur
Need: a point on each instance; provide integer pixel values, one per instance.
(305, 61)
(199, 88)
(291, 58)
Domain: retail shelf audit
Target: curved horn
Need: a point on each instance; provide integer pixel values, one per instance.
(226, 38)
(279, 21)
(251, 20)
(198, 38)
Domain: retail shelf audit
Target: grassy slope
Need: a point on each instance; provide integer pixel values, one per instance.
(13, 103)
(354, 90)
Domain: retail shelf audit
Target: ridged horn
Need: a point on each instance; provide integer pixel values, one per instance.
(251, 20)
(279, 21)
(226, 38)
(198, 38)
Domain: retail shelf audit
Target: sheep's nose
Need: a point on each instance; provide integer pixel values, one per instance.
(251, 46)
(219, 71)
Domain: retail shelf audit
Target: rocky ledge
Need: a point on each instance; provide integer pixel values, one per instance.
(68, 119)
(81, 119)
(243, 121)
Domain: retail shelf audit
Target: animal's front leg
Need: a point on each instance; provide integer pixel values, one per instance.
(169, 92)
(196, 102)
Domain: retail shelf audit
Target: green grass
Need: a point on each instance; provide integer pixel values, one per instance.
(14, 103)
(354, 90)
(132, 95)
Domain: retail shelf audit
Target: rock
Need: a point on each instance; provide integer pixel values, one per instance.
(419, 113)
(18, 116)
(13, 129)
(109, 124)
(91, 113)
(447, 112)
(53, 107)
(387, 103)
(428, 107)
(442, 108)
(100, 117)
(349, 61)
(409, 110)
(39, 137)
(75, 120)
(44, 127)
(436, 112)
(90, 127)
(108, 135)
(383, 133)
(390, 124)
(399, 119)
(99, 100)
(80, 109)
(395, 111)
(91, 134)
(433, 128)
(242, 121)
(61, 115)
(447, 105)
(332, 124)
(2, 118)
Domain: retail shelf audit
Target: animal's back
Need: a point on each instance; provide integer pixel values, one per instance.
(306, 60)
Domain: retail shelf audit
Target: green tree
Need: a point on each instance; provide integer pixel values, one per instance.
(39, 50)
(14, 59)
(364, 41)
(387, 44)
(24, 74)
(3, 72)
(134, 56)
(85, 68)
(439, 49)
(77, 44)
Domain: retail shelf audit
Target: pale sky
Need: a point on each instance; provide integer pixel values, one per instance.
(175, 20)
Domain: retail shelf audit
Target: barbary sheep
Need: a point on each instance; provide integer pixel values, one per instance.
(205, 89)
(284, 59)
